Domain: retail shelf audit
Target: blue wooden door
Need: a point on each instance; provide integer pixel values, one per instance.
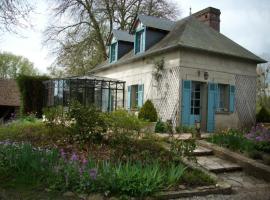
(186, 99)
(211, 108)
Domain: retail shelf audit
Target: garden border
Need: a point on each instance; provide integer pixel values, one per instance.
(250, 166)
(221, 187)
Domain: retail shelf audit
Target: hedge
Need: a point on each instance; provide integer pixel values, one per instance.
(32, 92)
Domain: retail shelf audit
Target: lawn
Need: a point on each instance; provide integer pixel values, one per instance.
(109, 157)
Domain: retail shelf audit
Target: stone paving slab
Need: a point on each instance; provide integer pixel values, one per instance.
(217, 165)
(202, 151)
(240, 180)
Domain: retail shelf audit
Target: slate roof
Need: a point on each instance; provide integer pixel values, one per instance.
(155, 22)
(9, 93)
(191, 33)
(122, 35)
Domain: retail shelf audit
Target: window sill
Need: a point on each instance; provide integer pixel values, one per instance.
(223, 112)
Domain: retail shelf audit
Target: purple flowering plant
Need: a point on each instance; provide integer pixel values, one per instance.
(258, 133)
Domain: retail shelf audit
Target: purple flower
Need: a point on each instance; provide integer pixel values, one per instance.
(81, 170)
(84, 161)
(93, 173)
(63, 154)
(74, 157)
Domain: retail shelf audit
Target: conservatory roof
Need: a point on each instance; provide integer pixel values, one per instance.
(90, 77)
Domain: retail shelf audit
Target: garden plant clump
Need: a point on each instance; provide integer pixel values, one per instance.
(254, 143)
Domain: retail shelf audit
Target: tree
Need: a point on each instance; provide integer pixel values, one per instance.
(14, 14)
(80, 42)
(11, 66)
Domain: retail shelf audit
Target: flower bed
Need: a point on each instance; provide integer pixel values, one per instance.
(255, 143)
(58, 170)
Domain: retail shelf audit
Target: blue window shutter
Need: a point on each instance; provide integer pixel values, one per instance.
(211, 108)
(110, 53)
(129, 98)
(217, 100)
(232, 98)
(136, 43)
(140, 95)
(143, 39)
(186, 98)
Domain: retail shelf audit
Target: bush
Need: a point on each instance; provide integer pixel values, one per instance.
(120, 121)
(32, 131)
(89, 123)
(263, 115)
(183, 148)
(54, 116)
(161, 127)
(148, 112)
(32, 91)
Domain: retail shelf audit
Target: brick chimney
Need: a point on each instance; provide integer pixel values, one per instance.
(210, 16)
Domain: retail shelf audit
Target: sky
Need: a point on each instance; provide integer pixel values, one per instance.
(247, 22)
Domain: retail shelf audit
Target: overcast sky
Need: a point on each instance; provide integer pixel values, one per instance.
(247, 22)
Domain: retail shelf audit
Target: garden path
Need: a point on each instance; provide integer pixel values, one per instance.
(244, 186)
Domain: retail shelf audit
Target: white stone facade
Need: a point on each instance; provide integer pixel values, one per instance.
(184, 64)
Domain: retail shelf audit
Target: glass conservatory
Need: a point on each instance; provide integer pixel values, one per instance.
(105, 93)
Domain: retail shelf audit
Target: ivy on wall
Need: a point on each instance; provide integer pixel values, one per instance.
(32, 93)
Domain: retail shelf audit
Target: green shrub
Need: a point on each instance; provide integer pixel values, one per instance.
(32, 131)
(120, 121)
(263, 115)
(148, 112)
(54, 116)
(183, 148)
(89, 123)
(160, 127)
(32, 92)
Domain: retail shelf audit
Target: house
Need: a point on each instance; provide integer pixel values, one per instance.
(190, 71)
(9, 98)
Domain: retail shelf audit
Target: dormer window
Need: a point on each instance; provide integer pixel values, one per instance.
(140, 41)
(113, 52)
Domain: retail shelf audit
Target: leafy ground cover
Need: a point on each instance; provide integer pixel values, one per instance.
(254, 143)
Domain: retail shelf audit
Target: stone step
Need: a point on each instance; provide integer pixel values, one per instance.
(217, 165)
(202, 151)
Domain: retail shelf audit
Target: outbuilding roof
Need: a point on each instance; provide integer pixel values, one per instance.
(191, 33)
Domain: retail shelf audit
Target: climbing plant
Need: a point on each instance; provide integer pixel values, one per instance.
(158, 69)
(32, 93)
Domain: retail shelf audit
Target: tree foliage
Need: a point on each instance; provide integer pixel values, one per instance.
(80, 28)
(14, 14)
(11, 66)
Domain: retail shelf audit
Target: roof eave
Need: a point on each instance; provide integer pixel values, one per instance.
(258, 61)
(159, 51)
